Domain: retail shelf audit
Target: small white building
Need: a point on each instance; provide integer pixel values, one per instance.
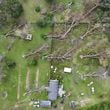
(67, 70)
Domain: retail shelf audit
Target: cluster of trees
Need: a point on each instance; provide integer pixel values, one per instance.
(105, 16)
(10, 10)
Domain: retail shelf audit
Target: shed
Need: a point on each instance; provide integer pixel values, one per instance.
(67, 70)
(53, 89)
(45, 104)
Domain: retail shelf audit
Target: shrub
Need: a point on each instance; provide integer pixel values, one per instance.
(42, 23)
(38, 9)
(32, 62)
(46, 21)
(43, 36)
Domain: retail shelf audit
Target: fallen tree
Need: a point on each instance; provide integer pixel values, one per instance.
(36, 51)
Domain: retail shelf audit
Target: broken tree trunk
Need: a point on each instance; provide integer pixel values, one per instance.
(77, 22)
(13, 30)
(89, 31)
(102, 54)
(90, 56)
(37, 51)
(102, 76)
(61, 57)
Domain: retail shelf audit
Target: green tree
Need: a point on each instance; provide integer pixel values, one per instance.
(10, 10)
(104, 16)
(38, 9)
(15, 8)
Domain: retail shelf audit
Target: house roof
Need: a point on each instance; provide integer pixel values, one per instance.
(53, 89)
(45, 103)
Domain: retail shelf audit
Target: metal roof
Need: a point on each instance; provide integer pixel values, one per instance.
(45, 103)
(53, 89)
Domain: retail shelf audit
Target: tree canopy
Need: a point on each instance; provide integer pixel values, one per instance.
(105, 16)
(10, 10)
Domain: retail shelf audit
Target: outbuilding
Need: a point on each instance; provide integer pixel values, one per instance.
(67, 70)
(45, 104)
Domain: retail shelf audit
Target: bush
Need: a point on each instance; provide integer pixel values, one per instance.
(46, 21)
(38, 9)
(43, 36)
(42, 23)
(10, 63)
(32, 62)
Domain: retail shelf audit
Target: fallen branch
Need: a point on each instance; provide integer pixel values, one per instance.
(102, 54)
(89, 31)
(37, 51)
(65, 56)
(77, 22)
(13, 30)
